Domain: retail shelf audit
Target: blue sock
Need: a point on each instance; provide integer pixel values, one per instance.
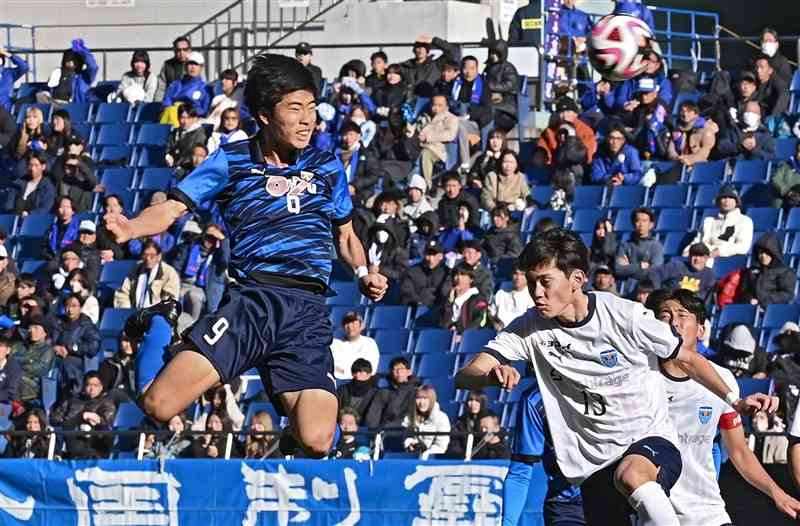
(150, 356)
(515, 491)
(337, 434)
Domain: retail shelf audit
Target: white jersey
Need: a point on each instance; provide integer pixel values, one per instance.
(696, 412)
(599, 379)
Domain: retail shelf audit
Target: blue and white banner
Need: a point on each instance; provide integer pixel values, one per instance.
(250, 493)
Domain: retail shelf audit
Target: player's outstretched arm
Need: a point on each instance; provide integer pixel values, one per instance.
(484, 370)
(373, 285)
(753, 472)
(151, 221)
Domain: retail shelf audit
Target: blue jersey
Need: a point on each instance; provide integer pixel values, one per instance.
(279, 220)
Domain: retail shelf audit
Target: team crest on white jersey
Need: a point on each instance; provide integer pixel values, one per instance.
(704, 413)
(609, 358)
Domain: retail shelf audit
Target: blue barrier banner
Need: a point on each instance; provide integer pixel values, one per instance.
(250, 493)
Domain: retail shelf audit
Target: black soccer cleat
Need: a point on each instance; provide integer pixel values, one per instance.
(138, 324)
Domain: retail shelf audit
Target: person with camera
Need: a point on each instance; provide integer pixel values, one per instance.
(92, 410)
(74, 174)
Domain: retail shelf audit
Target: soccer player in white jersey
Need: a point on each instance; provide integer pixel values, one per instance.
(697, 413)
(595, 360)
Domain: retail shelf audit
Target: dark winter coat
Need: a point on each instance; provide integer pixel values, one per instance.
(416, 74)
(448, 210)
(502, 243)
(474, 314)
(82, 340)
(364, 172)
(772, 284)
(502, 78)
(393, 404)
(358, 395)
(638, 250)
(678, 274)
(40, 201)
(10, 378)
(394, 257)
(424, 286)
(77, 185)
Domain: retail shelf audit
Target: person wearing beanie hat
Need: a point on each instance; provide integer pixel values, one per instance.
(139, 84)
(730, 232)
(418, 202)
(566, 111)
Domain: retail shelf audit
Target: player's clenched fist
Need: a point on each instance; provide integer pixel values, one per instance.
(119, 227)
(507, 377)
(757, 402)
(374, 286)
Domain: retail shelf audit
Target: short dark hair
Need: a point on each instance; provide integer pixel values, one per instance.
(361, 366)
(686, 298)
(114, 196)
(399, 360)
(349, 411)
(40, 156)
(349, 126)
(200, 145)
(545, 224)
(187, 108)
(75, 296)
(762, 56)
(690, 105)
(181, 39)
(27, 279)
(379, 54)
(617, 127)
(90, 375)
(151, 244)
(451, 65)
(643, 210)
(562, 247)
(463, 268)
(67, 198)
(501, 210)
(81, 276)
(469, 58)
(229, 74)
(5, 341)
(450, 176)
(488, 413)
(273, 76)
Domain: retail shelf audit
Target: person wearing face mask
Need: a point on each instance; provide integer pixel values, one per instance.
(693, 137)
(384, 254)
(749, 139)
(770, 46)
(773, 92)
(71, 81)
(78, 283)
(647, 116)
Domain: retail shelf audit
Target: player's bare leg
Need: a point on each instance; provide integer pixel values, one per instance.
(635, 478)
(187, 376)
(313, 414)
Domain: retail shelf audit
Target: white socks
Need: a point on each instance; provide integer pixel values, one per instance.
(653, 506)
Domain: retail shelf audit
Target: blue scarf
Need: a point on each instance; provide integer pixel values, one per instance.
(477, 89)
(195, 267)
(70, 235)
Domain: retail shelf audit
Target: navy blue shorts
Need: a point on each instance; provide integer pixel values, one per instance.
(603, 505)
(563, 513)
(283, 332)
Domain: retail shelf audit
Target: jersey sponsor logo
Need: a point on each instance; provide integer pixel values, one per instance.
(609, 358)
(689, 439)
(614, 380)
(704, 413)
(292, 188)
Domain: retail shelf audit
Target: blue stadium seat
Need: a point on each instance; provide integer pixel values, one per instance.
(347, 293)
(792, 223)
(117, 180)
(705, 196)
(586, 237)
(32, 266)
(112, 112)
(675, 241)
(674, 220)
(779, 313)
(28, 248)
(748, 386)
(473, 340)
(152, 134)
(29, 89)
(541, 195)
(737, 313)
(129, 416)
(103, 89)
(764, 218)
(113, 134)
(113, 321)
(559, 216)
(338, 313)
(83, 130)
(35, 226)
(114, 272)
(46, 109)
(48, 392)
(433, 340)
(757, 194)
(392, 341)
(443, 385)
(725, 265)
(710, 172)
(119, 155)
(750, 172)
(147, 112)
(156, 179)
(785, 148)
(669, 196)
(622, 221)
(682, 97)
(584, 220)
(78, 111)
(150, 156)
(627, 196)
(504, 267)
(389, 317)
(254, 388)
(588, 196)
(435, 364)
(8, 223)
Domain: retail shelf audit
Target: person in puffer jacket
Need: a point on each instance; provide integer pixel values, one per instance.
(503, 81)
(76, 338)
(617, 162)
(769, 280)
(426, 416)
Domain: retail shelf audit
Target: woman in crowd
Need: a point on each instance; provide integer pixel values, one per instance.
(175, 445)
(31, 446)
(468, 422)
(487, 161)
(138, 84)
(425, 416)
(229, 130)
(506, 184)
(213, 444)
(220, 400)
(32, 134)
(261, 446)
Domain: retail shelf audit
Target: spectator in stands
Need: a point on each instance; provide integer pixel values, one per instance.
(183, 138)
(425, 230)
(467, 307)
(361, 165)
(202, 266)
(75, 339)
(354, 346)
(441, 128)
(9, 75)
(393, 403)
(643, 251)
(469, 99)
(74, 175)
(8, 129)
(232, 97)
(385, 254)
(693, 137)
(422, 71)
(502, 240)
(61, 133)
(304, 53)
(189, 88)
(78, 283)
(71, 82)
(118, 373)
(213, 444)
(176, 446)
(452, 238)
(427, 283)
(173, 68)
(502, 80)
(747, 91)
(8, 280)
(360, 393)
(643, 290)
(261, 443)
(572, 22)
(567, 111)
(35, 193)
(64, 230)
(695, 275)
(425, 416)
(526, 25)
(165, 240)
(738, 352)
(31, 446)
(647, 117)
(468, 422)
(471, 252)
(110, 250)
(773, 92)
(730, 232)
(750, 139)
(31, 135)
(508, 305)
(220, 400)
(617, 162)
(569, 163)
(454, 197)
(604, 280)
(69, 261)
(487, 161)
(35, 356)
(10, 373)
(506, 185)
(493, 445)
(656, 72)
(25, 288)
(88, 252)
(785, 179)
(228, 130)
(138, 84)
(418, 202)
(377, 77)
(348, 423)
(386, 208)
(770, 46)
(91, 410)
(769, 280)
(150, 282)
(603, 249)
(392, 93)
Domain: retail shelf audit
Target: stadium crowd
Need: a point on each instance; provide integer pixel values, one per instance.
(672, 180)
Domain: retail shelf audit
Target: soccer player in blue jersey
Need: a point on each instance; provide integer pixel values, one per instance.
(532, 443)
(284, 205)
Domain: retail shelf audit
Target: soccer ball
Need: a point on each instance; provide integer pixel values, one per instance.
(616, 46)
